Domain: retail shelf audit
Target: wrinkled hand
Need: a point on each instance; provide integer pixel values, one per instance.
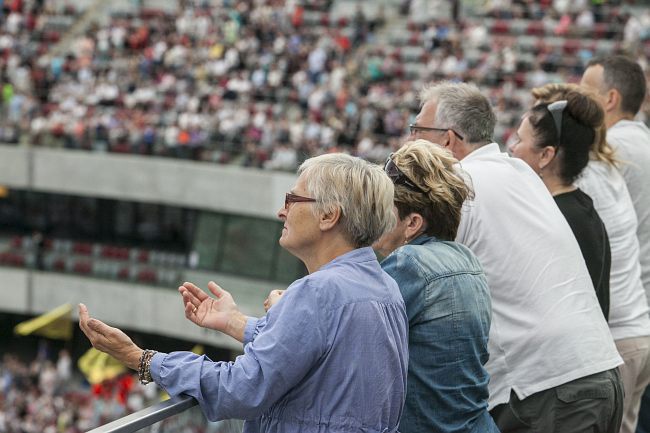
(273, 297)
(109, 340)
(219, 313)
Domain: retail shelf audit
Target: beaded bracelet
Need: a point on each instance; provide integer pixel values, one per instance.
(144, 369)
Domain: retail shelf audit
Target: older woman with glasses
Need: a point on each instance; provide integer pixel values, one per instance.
(445, 291)
(579, 135)
(331, 355)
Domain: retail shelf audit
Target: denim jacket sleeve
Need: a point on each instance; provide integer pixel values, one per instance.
(275, 361)
(405, 270)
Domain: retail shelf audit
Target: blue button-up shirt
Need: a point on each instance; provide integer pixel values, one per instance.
(448, 306)
(330, 356)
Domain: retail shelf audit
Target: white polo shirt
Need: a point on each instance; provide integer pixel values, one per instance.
(628, 306)
(547, 327)
(631, 140)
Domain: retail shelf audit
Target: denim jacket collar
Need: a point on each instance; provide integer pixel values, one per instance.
(421, 240)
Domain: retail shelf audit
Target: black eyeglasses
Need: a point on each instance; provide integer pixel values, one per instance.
(293, 198)
(415, 128)
(557, 111)
(398, 177)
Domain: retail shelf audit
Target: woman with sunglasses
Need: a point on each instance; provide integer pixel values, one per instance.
(445, 292)
(556, 140)
(578, 134)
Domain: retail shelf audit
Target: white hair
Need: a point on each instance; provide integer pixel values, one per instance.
(362, 191)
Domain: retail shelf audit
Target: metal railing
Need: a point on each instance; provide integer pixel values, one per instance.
(147, 417)
(172, 415)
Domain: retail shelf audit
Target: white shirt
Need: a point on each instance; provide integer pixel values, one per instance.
(632, 143)
(547, 327)
(628, 306)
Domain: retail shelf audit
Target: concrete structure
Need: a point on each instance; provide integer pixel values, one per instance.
(188, 184)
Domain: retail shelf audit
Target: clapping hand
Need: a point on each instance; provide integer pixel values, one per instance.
(219, 313)
(273, 297)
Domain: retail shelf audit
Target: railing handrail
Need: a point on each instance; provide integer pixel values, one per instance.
(148, 416)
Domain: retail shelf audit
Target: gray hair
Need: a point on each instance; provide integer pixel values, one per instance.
(462, 107)
(362, 191)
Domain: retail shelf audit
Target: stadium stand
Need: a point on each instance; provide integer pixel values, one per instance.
(324, 76)
(263, 84)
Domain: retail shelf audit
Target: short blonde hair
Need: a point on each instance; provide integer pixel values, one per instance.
(362, 191)
(438, 174)
(549, 93)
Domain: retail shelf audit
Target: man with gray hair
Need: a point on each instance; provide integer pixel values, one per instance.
(552, 358)
(331, 355)
(620, 87)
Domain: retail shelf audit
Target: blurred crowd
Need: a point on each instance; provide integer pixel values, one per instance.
(43, 396)
(269, 83)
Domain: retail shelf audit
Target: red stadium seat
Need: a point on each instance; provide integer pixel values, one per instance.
(501, 27)
(17, 242)
(82, 267)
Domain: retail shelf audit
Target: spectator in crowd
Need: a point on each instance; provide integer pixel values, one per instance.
(190, 87)
(628, 321)
(445, 291)
(35, 397)
(552, 359)
(332, 354)
(556, 138)
(621, 88)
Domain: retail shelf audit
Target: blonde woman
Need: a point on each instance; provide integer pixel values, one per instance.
(445, 291)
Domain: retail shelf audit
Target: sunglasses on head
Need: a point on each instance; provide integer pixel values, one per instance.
(557, 111)
(399, 178)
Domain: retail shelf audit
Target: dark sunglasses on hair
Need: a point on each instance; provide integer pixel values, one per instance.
(293, 198)
(398, 177)
(557, 111)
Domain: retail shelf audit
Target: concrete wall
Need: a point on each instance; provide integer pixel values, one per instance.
(14, 167)
(134, 306)
(152, 179)
(144, 179)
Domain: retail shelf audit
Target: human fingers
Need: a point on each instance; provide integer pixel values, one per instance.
(99, 327)
(83, 319)
(91, 327)
(216, 290)
(195, 291)
(189, 299)
(190, 311)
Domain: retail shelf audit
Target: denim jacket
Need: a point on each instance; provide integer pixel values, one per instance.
(449, 311)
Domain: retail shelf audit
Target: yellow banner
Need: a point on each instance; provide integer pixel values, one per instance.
(54, 324)
(198, 349)
(99, 366)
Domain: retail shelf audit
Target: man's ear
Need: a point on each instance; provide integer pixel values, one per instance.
(612, 100)
(448, 143)
(329, 219)
(456, 146)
